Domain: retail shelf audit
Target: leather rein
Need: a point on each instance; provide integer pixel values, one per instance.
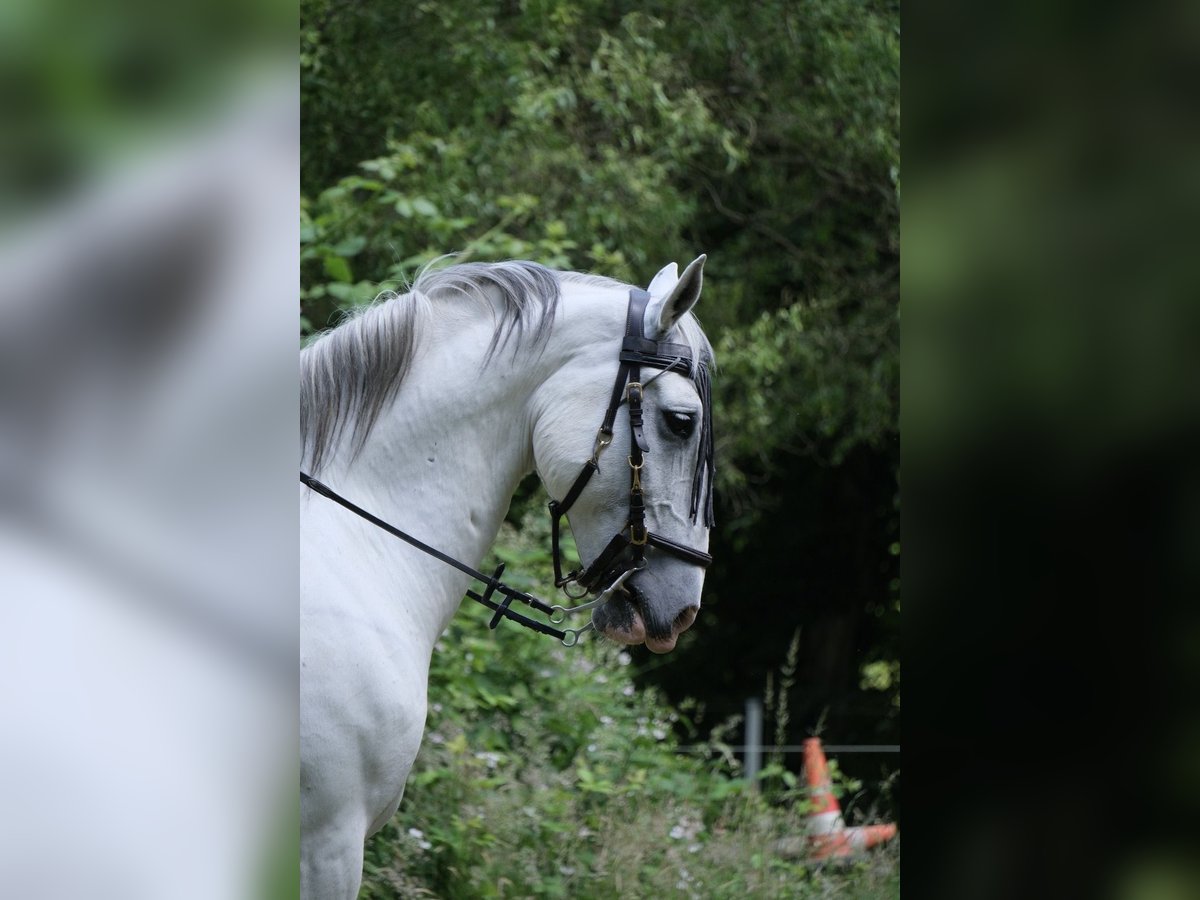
(625, 554)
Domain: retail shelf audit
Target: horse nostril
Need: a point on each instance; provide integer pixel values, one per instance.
(684, 620)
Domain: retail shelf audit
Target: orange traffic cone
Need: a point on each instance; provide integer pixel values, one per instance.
(827, 831)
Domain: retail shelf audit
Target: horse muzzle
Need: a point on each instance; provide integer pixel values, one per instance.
(630, 617)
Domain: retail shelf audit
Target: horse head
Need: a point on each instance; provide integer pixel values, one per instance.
(641, 507)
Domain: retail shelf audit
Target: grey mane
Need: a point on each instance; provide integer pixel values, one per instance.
(350, 374)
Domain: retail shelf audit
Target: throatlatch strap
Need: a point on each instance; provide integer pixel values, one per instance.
(590, 468)
(558, 510)
(614, 401)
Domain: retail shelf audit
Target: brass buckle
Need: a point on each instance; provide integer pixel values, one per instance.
(602, 441)
(637, 475)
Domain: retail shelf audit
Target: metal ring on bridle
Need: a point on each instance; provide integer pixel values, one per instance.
(571, 596)
(571, 636)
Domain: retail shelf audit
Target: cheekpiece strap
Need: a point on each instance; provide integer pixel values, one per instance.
(636, 351)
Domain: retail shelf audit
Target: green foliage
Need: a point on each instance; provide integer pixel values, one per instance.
(796, 379)
(571, 155)
(614, 138)
(546, 773)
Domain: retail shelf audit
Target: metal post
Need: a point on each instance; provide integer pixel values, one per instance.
(753, 741)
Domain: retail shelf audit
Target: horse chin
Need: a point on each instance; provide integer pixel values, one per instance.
(620, 620)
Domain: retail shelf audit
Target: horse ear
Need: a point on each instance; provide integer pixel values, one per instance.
(667, 278)
(665, 311)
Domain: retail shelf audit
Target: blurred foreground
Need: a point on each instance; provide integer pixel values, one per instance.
(148, 275)
(1052, 451)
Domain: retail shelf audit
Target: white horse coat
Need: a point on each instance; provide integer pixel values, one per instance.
(427, 410)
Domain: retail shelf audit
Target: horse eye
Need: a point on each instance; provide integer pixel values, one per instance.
(682, 424)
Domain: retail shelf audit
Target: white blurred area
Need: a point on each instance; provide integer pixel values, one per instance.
(148, 448)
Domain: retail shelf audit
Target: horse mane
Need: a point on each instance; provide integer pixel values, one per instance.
(349, 374)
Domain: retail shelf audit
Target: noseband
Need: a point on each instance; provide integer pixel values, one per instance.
(626, 552)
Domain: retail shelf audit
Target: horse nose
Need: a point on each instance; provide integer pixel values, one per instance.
(684, 620)
(663, 640)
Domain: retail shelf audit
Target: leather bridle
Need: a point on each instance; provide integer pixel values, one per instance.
(626, 552)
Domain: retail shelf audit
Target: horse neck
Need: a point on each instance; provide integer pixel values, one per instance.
(442, 464)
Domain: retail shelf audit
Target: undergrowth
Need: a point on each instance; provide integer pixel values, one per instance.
(546, 773)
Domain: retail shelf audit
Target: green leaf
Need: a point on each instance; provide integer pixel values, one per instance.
(350, 246)
(423, 207)
(347, 292)
(337, 268)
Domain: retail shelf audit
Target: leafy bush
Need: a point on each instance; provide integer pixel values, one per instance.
(546, 772)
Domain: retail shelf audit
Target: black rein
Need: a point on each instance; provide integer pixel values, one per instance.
(492, 582)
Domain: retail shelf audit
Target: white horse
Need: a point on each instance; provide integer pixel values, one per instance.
(427, 410)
